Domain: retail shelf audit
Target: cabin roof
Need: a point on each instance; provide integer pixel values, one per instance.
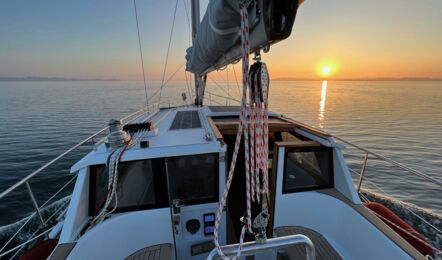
(177, 131)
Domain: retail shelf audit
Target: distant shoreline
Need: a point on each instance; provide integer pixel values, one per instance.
(61, 79)
(359, 79)
(56, 79)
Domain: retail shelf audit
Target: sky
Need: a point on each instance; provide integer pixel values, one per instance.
(90, 39)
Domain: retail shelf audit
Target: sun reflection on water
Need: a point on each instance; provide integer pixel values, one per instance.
(322, 103)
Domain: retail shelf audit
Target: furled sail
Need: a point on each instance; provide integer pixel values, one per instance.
(217, 41)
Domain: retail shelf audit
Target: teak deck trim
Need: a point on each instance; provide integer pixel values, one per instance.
(276, 124)
(215, 129)
(298, 144)
(230, 125)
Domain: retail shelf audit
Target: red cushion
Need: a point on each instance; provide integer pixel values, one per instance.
(41, 250)
(402, 228)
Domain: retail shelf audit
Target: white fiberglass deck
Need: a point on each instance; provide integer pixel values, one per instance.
(164, 141)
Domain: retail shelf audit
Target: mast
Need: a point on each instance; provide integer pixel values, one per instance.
(200, 80)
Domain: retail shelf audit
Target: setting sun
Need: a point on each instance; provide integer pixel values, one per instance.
(326, 70)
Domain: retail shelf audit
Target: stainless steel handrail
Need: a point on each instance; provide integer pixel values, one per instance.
(382, 191)
(394, 163)
(361, 175)
(252, 248)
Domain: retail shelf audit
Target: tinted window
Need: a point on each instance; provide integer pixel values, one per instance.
(193, 179)
(138, 186)
(98, 188)
(308, 169)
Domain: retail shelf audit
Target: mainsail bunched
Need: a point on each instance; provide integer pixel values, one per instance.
(217, 41)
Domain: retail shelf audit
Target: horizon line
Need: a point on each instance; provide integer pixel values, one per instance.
(38, 78)
(34, 78)
(361, 79)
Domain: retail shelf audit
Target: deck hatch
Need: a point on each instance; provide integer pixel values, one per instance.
(186, 120)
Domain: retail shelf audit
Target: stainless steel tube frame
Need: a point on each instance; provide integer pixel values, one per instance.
(252, 248)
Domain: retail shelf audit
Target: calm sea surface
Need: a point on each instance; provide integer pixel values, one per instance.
(401, 120)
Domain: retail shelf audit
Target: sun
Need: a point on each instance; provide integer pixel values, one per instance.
(326, 70)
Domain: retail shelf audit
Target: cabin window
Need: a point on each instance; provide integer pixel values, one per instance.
(138, 186)
(98, 188)
(193, 179)
(308, 168)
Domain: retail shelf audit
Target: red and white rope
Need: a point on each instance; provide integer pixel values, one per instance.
(255, 153)
(245, 50)
(252, 149)
(258, 142)
(242, 126)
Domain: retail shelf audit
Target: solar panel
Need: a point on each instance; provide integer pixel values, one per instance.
(186, 120)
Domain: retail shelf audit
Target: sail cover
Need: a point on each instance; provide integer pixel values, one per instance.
(217, 41)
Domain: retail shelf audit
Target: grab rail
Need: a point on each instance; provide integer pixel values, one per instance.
(252, 248)
(386, 159)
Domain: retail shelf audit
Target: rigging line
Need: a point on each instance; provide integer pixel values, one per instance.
(228, 85)
(221, 96)
(168, 50)
(221, 76)
(219, 86)
(186, 88)
(188, 85)
(141, 52)
(188, 21)
(236, 79)
(167, 81)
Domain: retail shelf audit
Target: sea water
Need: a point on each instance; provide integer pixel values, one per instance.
(398, 119)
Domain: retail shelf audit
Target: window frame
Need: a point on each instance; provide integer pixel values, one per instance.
(162, 203)
(216, 182)
(330, 167)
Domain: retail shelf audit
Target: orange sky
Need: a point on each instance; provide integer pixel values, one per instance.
(357, 39)
(404, 39)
